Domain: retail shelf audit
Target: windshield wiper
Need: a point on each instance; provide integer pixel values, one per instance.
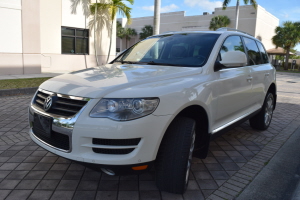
(155, 63)
(128, 62)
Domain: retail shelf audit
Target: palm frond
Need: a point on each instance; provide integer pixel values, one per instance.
(100, 7)
(147, 31)
(130, 1)
(225, 4)
(218, 22)
(84, 4)
(253, 3)
(287, 36)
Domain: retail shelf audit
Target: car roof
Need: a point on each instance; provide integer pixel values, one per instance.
(221, 31)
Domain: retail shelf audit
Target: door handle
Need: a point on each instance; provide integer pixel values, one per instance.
(249, 78)
(267, 74)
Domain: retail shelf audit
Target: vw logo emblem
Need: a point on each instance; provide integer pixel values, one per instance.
(48, 103)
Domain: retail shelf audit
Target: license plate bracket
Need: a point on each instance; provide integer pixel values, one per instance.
(43, 124)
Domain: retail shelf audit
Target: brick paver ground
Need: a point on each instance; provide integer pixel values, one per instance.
(28, 171)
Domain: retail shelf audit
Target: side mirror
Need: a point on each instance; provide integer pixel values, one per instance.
(234, 59)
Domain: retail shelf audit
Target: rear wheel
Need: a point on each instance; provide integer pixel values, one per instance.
(262, 120)
(174, 158)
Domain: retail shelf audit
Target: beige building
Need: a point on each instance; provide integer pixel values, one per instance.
(259, 23)
(44, 35)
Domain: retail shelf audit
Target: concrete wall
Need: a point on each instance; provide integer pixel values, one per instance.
(30, 37)
(20, 37)
(255, 22)
(50, 18)
(11, 59)
(11, 27)
(265, 27)
(52, 58)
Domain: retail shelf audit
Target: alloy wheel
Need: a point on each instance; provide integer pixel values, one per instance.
(269, 110)
(189, 163)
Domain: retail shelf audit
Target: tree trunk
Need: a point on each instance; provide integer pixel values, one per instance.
(95, 40)
(237, 14)
(287, 55)
(126, 42)
(156, 16)
(111, 30)
(121, 44)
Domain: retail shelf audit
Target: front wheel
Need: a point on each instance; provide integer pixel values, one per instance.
(174, 158)
(262, 120)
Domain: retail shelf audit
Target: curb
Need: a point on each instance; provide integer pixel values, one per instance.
(288, 73)
(18, 91)
(237, 183)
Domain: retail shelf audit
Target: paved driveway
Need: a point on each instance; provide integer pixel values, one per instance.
(28, 171)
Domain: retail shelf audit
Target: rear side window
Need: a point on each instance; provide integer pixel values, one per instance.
(263, 52)
(253, 52)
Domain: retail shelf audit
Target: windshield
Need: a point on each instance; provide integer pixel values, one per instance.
(187, 49)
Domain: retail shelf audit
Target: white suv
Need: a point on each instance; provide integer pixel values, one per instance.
(158, 103)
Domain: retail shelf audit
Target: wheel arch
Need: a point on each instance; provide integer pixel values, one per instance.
(199, 114)
(272, 89)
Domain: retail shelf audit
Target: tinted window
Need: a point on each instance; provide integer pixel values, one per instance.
(232, 43)
(74, 41)
(68, 44)
(188, 49)
(263, 52)
(253, 52)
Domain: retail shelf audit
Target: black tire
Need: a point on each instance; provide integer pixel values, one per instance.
(173, 160)
(262, 120)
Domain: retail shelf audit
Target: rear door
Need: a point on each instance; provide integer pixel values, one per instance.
(260, 69)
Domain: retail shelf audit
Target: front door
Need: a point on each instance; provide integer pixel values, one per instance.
(234, 88)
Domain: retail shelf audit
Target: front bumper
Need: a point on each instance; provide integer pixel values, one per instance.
(149, 129)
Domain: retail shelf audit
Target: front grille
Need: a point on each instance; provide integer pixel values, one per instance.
(117, 142)
(113, 151)
(56, 139)
(62, 106)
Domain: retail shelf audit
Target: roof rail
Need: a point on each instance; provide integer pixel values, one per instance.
(232, 29)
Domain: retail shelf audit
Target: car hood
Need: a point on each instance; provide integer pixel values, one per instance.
(100, 81)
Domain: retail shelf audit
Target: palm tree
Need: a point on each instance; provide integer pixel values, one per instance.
(120, 30)
(226, 2)
(127, 33)
(97, 22)
(146, 32)
(120, 33)
(114, 7)
(287, 37)
(218, 22)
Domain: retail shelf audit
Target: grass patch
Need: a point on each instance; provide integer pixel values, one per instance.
(266, 163)
(21, 83)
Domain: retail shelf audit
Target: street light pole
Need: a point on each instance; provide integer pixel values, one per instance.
(156, 16)
(237, 11)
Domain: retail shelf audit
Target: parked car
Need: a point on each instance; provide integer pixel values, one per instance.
(157, 104)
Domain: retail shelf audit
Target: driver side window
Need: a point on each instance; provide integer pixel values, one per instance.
(232, 43)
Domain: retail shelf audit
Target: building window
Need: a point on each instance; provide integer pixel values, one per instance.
(74, 41)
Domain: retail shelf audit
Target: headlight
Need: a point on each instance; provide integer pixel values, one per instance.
(124, 109)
